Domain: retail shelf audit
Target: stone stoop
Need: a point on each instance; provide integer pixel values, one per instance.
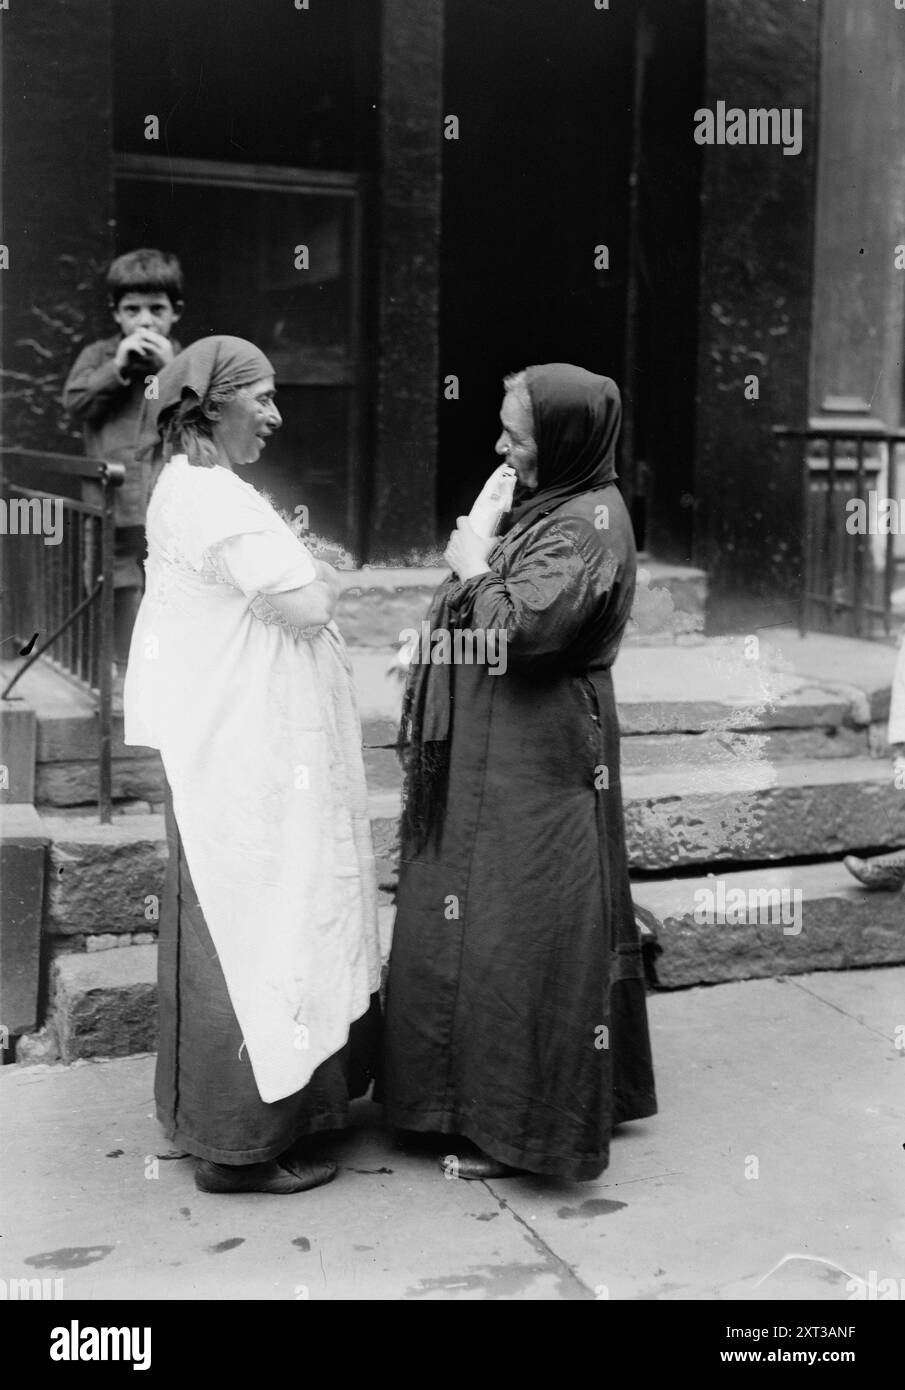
(728, 762)
(103, 889)
(103, 1002)
(738, 926)
(375, 605)
(65, 746)
(725, 764)
(758, 772)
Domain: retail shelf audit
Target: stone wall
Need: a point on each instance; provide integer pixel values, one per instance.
(859, 296)
(401, 517)
(755, 295)
(57, 205)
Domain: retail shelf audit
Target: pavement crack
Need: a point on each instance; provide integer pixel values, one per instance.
(563, 1268)
(878, 1032)
(648, 1177)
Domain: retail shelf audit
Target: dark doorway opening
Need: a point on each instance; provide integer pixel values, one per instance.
(661, 351)
(575, 134)
(537, 179)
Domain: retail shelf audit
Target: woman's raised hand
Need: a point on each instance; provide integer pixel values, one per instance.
(467, 552)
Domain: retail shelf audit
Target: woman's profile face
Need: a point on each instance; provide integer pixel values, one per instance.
(246, 422)
(516, 442)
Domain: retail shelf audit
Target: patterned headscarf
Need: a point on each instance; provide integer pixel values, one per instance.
(211, 364)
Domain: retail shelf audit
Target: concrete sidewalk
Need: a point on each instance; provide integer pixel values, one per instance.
(779, 1140)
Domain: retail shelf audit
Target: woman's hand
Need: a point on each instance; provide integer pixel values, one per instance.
(327, 575)
(313, 605)
(467, 552)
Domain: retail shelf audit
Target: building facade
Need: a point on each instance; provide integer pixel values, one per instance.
(401, 200)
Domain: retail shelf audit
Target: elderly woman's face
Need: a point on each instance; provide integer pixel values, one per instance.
(516, 443)
(246, 422)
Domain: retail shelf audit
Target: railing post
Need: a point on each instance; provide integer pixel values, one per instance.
(38, 591)
(105, 674)
(858, 576)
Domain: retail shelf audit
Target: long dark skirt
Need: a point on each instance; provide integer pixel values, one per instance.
(207, 1099)
(516, 1011)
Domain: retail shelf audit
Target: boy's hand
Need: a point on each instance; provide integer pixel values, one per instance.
(158, 348)
(143, 348)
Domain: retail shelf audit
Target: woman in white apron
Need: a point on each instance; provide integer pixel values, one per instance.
(269, 960)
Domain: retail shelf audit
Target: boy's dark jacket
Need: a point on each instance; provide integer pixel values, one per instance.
(109, 410)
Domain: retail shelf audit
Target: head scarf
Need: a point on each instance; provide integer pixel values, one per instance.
(211, 364)
(576, 427)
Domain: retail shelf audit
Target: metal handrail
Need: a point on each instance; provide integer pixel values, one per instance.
(45, 646)
(861, 433)
(110, 476)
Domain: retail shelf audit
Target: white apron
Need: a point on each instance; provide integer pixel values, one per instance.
(258, 730)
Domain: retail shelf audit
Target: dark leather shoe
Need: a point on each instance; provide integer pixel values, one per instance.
(262, 1177)
(886, 871)
(474, 1167)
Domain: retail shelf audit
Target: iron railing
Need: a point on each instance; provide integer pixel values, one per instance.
(56, 581)
(847, 572)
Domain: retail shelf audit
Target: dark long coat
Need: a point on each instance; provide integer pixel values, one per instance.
(516, 1008)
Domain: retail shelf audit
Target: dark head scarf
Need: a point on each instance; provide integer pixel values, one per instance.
(576, 427)
(212, 364)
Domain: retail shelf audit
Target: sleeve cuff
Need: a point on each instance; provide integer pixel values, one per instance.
(110, 378)
(461, 590)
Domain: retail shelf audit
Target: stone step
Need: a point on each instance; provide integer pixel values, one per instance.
(104, 879)
(797, 919)
(375, 605)
(704, 685)
(824, 920)
(382, 769)
(815, 697)
(138, 774)
(109, 878)
(758, 811)
(670, 602)
(657, 752)
(746, 808)
(650, 752)
(104, 1003)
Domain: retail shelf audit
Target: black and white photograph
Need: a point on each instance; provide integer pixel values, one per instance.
(452, 666)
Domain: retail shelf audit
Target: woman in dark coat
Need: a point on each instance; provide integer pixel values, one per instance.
(516, 1015)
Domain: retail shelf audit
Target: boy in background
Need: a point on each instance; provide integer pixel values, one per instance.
(105, 393)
